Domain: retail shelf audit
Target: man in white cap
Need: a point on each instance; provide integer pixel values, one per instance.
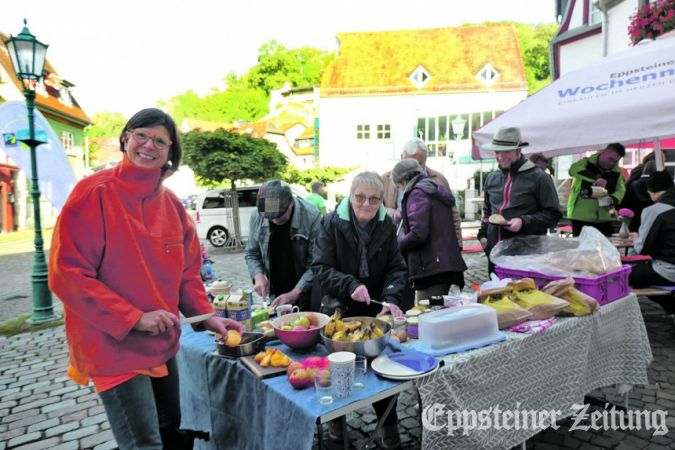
(520, 198)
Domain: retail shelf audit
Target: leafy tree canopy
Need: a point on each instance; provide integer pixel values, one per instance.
(534, 48)
(278, 65)
(104, 125)
(305, 178)
(217, 156)
(247, 97)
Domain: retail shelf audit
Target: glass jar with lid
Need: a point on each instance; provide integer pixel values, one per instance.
(412, 322)
(399, 330)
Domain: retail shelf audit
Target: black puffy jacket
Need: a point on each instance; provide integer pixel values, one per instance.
(336, 262)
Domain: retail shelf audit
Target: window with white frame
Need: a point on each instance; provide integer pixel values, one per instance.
(440, 131)
(595, 15)
(363, 131)
(384, 131)
(487, 74)
(67, 140)
(420, 77)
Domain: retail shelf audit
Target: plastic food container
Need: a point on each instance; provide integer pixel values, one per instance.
(459, 328)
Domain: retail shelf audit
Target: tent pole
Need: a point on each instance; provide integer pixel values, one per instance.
(658, 155)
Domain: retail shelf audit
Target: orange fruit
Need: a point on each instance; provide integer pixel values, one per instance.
(233, 338)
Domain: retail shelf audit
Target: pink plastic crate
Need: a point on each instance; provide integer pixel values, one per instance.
(604, 288)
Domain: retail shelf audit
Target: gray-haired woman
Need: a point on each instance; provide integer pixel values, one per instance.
(430, 248)
(356, 259)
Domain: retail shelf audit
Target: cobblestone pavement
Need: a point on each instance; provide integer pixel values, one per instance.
(40, 408)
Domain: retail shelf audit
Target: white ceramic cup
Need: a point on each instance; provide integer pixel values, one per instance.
(342, 366)
(286, 309)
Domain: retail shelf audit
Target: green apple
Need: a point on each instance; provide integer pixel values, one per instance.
(302, 321)
(287, 327)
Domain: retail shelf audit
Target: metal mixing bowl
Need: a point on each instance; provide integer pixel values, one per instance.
(251, 343)
(370, 349)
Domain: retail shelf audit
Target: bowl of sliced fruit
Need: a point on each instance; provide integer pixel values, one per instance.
(299, 330)
(365, 336)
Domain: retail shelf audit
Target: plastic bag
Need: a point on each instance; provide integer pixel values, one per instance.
(508, 312)
(580, 304)
(589, 255)
(540, 304)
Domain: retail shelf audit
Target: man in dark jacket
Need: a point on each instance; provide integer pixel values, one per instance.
(520, 192)
(279, 248)
(657, 235)
(433, 255)
(637, 195)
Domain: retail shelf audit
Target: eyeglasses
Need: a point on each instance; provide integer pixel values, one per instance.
(141, 138)
(361, 199)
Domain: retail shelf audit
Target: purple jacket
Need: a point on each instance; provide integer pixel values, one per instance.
(427, 242)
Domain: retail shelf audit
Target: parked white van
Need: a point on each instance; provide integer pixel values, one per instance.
(214, 213)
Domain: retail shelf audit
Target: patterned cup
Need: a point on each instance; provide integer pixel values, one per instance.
(342, 373)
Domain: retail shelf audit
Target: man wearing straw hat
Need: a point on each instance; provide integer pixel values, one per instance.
(520, 198)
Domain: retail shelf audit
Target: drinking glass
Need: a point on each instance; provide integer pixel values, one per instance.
(360, 370)
(324, 387)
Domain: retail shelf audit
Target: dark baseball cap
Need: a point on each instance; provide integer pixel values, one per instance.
(273, 199)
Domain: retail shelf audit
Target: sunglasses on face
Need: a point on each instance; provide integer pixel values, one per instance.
(141, 138)
(361, 199)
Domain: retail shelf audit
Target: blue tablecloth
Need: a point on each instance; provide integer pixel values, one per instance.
(244, 412)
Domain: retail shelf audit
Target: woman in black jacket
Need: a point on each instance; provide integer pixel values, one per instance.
(356, 259)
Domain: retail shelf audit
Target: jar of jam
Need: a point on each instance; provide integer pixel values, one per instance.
(436, 302)
(413, 327)
(400, 331)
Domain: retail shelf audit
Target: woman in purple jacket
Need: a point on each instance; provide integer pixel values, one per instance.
(427, 238)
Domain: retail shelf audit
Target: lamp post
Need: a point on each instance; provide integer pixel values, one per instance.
(28, 59)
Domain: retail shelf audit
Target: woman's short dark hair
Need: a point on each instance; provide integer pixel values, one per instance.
(405, 170)
(152, 117)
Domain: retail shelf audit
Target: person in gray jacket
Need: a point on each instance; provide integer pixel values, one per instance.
(280, 245)
(520, 198)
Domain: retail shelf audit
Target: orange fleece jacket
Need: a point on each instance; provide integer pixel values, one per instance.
(123, 245)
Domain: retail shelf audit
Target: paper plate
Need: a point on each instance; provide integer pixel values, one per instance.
(404, 364)
(410, 377)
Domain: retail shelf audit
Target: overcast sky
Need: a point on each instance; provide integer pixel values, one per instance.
(125, 55)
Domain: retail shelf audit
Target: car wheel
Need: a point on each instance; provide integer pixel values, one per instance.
(218, 236)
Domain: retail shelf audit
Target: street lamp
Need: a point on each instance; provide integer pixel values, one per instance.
(458, 127)
(28, 59)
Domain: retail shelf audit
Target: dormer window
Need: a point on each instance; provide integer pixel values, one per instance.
(487, 74)
(420, 77)
(64, 97)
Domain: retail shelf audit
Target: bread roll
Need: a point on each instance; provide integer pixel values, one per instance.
(497, 219)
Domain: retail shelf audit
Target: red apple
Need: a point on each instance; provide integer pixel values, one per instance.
(313, 320)
(300, 379)
(293, 366)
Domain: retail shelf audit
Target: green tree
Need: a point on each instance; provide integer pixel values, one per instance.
(278, 65)
(534, 40)
(217, 156)
(247, 97)
(104, 125)
(307, 177)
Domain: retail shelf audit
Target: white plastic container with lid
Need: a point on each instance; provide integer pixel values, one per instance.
(459, 328)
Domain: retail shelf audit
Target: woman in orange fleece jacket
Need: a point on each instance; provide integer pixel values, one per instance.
(125, 259)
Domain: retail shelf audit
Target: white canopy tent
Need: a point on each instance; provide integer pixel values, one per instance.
(628, 97)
